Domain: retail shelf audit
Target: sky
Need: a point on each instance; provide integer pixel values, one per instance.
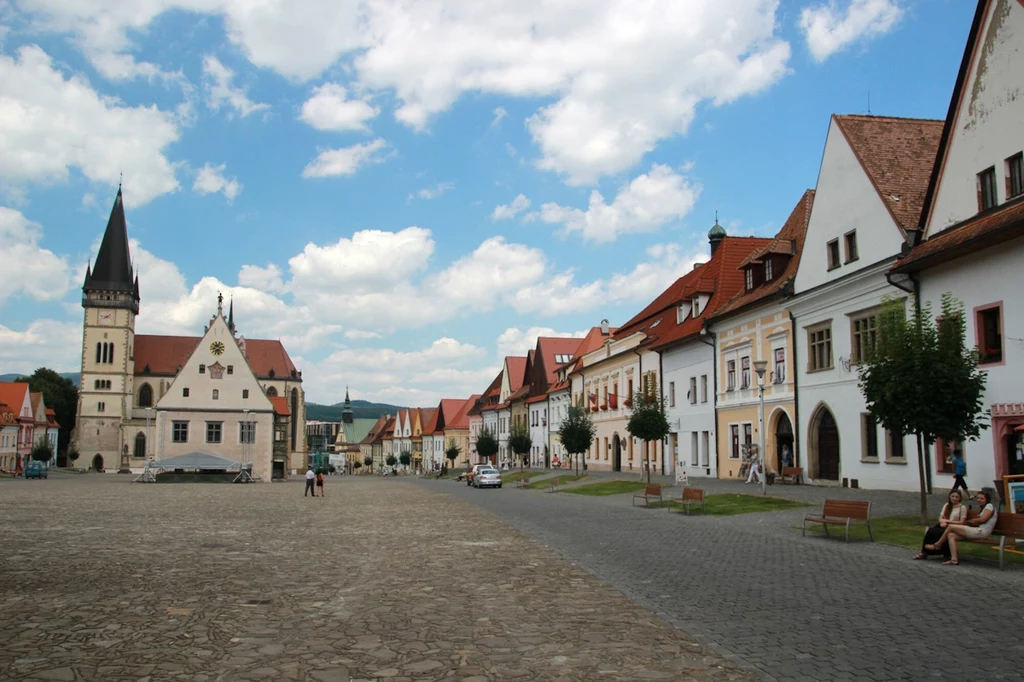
(406, 192)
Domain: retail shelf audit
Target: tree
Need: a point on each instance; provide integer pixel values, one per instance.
(486, 444)
(41, 451)
(647, 419)
(331, 468)
(368, 461)
(520, 442)
(357, 465)
(405, 457)
(577, 433)
(914, 360)
(59, 394)
(391, 460)
(453, 451)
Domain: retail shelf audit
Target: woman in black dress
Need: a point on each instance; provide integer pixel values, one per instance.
(954, 511)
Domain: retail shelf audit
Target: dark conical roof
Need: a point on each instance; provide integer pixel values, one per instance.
(113, 268)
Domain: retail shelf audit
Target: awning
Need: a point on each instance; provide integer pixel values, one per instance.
(196, 460)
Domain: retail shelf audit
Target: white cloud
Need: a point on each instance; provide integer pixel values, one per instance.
(346, 160)
(43, 343)
(220, 92)
(210, 179)
(515, 341)
(829, 30)
(511, 209)
(620, 76)
(28, 269)
(499, 114)
(265, 279)
(434, 192)
(510, 149)
(648, 202)
(40, 141)
(329, 108)
(360, 335)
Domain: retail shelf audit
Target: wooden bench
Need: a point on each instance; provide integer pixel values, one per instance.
(1008, 527)
(651, 490)
(553, 485)
(689, 497)
(791, 475)
(841, 512)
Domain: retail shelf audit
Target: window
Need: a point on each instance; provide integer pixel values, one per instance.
(693, 390)
(703, 388)
(779, 373)
(184, 392)
(179, 432)
(850, 241)
(833, 254)
(705, 440)
(745, 372)
(734, 441)
(213, 432)
(750, 278)
(864, 331)
(869, 437)
(245, 394)
(988, 327)
(247, 432)
(231, 369)
(1015, 175)
(280, 433)
(216, 394)
(629, 386)
(101, 385)
(146, 396)
(694, 448)
(271, 391)
(987, 189)
(696, 306)
(671, 394)
(894, 446)
(768, 269)
(730, 375)
(101, 407)
(819, 346)
(202, 369)
(748, 435)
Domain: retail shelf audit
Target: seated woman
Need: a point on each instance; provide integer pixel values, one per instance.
(977, 528)
(953, 512)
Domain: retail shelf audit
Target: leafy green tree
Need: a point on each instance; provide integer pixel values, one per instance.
(453, 451)
(486, 444)
(391, 460)
(577, 433)
(405, 457)
(520, 441)
(60, 394)
(357, 465)
(368, 461)
(914, 360)
(647, 419)
(41, 451)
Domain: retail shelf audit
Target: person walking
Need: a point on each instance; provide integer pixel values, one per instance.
(755, 465)
(959, 471)
(310, 480)
(319, 483)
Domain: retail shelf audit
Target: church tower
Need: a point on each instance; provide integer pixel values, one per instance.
(347, 415)
(110, 297)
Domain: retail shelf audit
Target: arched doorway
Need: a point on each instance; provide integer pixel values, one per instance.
(616, 453)
(140, 446)
(783, 438)
(825, 436)
(97, 462)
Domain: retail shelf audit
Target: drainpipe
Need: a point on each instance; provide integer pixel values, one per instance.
(796, 397)
(661, 373)
(712, 340)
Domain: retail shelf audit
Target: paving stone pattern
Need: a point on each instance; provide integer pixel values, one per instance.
(790, 607)
(104, 579)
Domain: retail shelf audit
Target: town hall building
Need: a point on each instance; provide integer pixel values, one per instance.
(145, 397)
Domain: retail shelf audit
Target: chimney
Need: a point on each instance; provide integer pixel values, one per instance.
(697, 265)
(604, 327)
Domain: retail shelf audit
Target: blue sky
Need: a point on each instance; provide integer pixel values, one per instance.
(404, 193)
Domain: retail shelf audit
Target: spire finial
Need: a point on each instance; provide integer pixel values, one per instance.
(716, 216)
(120, 179)
(220, 303)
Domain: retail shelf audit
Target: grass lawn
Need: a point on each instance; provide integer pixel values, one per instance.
(513, 476)
(907, 531)
(731, 504)
(607, 488)
(562, 480)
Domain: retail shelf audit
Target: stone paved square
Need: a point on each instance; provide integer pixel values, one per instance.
(103, 579)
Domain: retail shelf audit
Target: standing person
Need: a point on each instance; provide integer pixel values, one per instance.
(953, 512)
(977, 528)
(755, 467)
(319, 482)
(787, 456)
(959, 471)
(310, 476)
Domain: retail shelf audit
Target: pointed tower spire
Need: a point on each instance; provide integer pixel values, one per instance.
(231, 315)
(113, 271)
(347, 416)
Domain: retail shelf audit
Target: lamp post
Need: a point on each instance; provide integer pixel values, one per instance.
(760, 366)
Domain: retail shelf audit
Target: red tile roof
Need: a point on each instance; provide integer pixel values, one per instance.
(51, 418)
(280, 405)
(516, 372)
(789, 240)
(165, 355)
(35, 398)
(984, 230)
(898, 155)
(537, 398)
(550, 346)
(461, 419)
(374, 433)
(591, 342)
(12, 394)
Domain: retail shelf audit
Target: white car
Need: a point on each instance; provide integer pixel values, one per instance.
(486, 478)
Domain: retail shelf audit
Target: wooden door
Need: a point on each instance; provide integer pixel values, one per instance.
(828, 447)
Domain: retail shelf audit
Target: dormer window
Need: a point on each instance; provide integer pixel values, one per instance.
(682, 311)
(696, 306)
(987, 197)
(768, 270)
(750, 278)
(1015, 175)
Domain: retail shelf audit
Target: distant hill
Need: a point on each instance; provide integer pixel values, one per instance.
(67, 375)
(360, 408)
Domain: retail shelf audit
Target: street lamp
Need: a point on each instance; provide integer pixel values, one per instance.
(759, 367)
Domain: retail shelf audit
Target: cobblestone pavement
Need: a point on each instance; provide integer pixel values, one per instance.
(793, 608)
(103, 579)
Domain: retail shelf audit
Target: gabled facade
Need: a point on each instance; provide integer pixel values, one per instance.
(18, 401)
(871, 186)
(755, 325)
(550, 354)
(973, 235)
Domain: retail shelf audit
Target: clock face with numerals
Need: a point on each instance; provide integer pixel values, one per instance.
(217, 348)
(106, 317)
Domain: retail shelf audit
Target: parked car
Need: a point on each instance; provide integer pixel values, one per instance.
(487, 478)
(35, 469)
(472, 472)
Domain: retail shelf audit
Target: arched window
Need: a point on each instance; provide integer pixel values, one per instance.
(99, 346)
(146, 396)
(271, 391)
(140, 445)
